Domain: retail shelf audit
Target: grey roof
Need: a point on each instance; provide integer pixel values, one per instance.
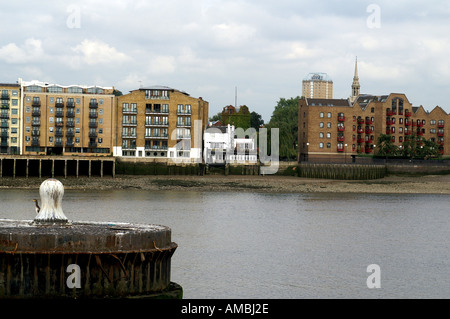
(162, 87)
(328, 102)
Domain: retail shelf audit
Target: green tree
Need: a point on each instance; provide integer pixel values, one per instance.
(419, 147)
(256, 120)
(217, 117)
(385, 146)
(285, 118)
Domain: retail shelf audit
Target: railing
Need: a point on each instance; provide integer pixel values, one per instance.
(341, 128)
(341, 118)
(93, 105)
(70, 124)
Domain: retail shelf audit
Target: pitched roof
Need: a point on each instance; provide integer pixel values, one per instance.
(328, 102)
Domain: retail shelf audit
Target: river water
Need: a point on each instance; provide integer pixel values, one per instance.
(258, 245)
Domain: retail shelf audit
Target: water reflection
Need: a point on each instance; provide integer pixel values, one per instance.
(253, 245)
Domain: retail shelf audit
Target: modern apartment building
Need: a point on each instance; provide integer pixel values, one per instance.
(331, 129)
(67, 120)
(317, 86)
(10, 118)
(162, 124)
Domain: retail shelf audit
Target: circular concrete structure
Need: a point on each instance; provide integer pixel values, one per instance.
(55, 258)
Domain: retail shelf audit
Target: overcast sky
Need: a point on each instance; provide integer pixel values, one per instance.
(208, 47)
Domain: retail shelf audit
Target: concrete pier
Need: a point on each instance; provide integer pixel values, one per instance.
(52, 257)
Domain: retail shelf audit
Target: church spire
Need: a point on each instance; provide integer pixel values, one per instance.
(355, 85)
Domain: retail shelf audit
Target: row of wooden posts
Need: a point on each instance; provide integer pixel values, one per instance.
(51, 167)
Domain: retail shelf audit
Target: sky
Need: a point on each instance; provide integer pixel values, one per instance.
(212, 48)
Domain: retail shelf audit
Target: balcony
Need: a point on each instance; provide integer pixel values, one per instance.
(35, 143)
(128, 111)
(4, 116)
(36, 113)
(95, 134)
(93, 115)
(36, 123)
(5, 106)
(70, 104)
(4, 134)
(59, 104)
(70, 114)
(360, 121)
(368, 150)
(129, 124)
(440, 134)
(93, 125)
(389, 122)
(70, 144)
(59, 114)
(369, 131)
(407, 133)
(70, 124)
(341, 128)
(360, 131)
(341, 139)
(36, 103)
(408, 114)
(389, 113)
(5, 96)
(341, 118)
(414, 124)
(59, 134)
(59, 124)
(70, 134)
(93, 105)
(35, 133)
(92, 144)
(59, 144)
(341, 149)
(441, 125)
(420, 124)
(407, 123)
(369, 122)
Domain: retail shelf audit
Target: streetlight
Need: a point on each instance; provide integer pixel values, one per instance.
(307, 150)
(345, 158)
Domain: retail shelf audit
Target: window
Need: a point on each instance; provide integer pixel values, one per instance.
(165, 108)
(321, 115)
(328, 145)
(321, 124)
(432, 122)
(328, 135)
(320, 145)
(321, 134)
(329, 124)
(329, 115)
